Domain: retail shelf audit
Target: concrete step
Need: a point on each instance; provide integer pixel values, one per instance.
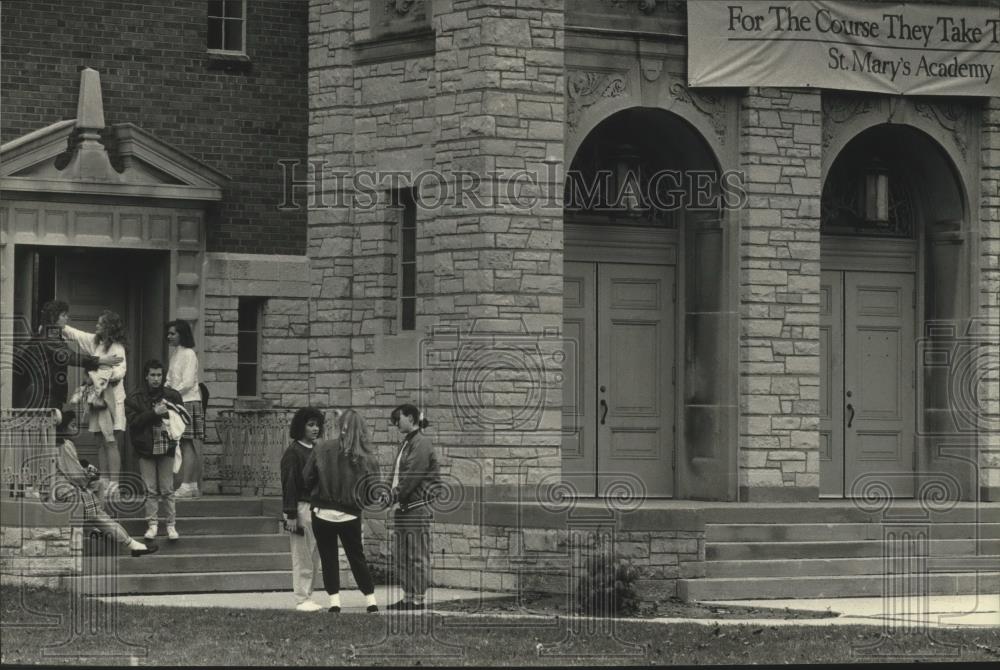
(837, 587)
(819, 532)
(230, 545)
(208, 506)
(730, 551)
(206, 525)
(820, 512)
(167, 563)
(185, 582)
(813, 567)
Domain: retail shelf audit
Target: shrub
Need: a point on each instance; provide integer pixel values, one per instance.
(606, 586)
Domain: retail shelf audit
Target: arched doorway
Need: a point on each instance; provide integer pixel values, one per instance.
(645, 291)
(888, 195)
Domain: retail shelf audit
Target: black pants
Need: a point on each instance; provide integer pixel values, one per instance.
(349, 532)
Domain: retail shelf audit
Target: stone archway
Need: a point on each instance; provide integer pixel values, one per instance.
(893, 296)
(647, 299)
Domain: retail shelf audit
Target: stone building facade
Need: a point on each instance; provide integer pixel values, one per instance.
(753, 335)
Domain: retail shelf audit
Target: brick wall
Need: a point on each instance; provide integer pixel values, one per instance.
(779, 280)
(155, 73)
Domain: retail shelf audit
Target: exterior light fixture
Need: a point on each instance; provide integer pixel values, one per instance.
(875, 195)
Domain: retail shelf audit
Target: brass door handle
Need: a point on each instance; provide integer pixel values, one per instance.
(850, 419)
(604, 406)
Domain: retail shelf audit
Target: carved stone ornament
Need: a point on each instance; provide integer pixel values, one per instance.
(584, 88)
(710, 105)
(951, 116)
(399, 7)
(839, 109)
(651, 66)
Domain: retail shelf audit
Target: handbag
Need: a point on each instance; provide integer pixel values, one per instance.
(178, 459)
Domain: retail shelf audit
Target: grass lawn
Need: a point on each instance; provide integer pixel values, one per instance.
(215, 636)
(539, 603)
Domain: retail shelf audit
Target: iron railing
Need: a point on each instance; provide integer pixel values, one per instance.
(27, 452)
(252, 444)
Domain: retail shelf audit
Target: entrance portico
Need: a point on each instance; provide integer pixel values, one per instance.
(75, 227)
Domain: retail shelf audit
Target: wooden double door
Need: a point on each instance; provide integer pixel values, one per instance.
(133, 284)
(618, 400)
(867, 382)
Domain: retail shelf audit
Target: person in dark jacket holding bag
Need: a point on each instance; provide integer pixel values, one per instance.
(414, 477)
(145, 411)
(342, 475)
(307, 426)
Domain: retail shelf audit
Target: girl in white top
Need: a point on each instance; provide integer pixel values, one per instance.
(183, 377)
(108, 339)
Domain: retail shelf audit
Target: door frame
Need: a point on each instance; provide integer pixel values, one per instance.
(897, 256)
(594, 243)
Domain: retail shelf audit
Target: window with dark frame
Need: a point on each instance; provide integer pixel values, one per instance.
(227, 26)
(406, 202)
(248, 347)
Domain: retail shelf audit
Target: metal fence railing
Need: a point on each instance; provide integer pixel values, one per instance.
(27, 452)
(252, 444)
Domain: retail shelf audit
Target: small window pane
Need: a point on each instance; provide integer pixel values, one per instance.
(215, 33)
(409, 314)
(409, 245)
(234, 36)
(246, 380)
(409, 280)
(246, 347)
(234, 9)
(248, 315)
(215, 7)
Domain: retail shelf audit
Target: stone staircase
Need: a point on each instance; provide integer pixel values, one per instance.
(829, 552)
(228, 543)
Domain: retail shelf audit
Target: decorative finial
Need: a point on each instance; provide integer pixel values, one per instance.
(90, 160)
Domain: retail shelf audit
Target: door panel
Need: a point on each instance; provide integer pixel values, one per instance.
(635, 355)
(91, 283)
(879, 344)
(579, 412)
(867, 416)
(831, 386)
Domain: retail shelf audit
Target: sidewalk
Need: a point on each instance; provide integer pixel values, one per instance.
(933, 611)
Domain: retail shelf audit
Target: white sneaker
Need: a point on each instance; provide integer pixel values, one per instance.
(151, 531)
(184, 491)
(308, 606)
(172, 533)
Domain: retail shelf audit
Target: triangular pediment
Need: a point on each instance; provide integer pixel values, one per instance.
(69, 157)
(149, 166)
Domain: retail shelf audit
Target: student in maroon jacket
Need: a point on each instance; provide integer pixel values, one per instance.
(306, 428)
(343, 475)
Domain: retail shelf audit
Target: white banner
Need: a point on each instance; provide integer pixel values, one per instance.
(883, 48)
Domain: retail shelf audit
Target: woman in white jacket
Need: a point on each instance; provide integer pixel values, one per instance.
(183, 377)
(108, 338)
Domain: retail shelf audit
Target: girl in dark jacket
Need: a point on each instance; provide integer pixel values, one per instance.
(342, 474)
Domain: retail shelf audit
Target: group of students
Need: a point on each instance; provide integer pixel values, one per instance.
(164, 392)
(328, 483)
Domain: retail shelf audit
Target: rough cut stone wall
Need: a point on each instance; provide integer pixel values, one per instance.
(491, 97)
(497, 269)
(497, 556)
(989, 296)
(282, 282)
(779, 279)
(40, 555)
